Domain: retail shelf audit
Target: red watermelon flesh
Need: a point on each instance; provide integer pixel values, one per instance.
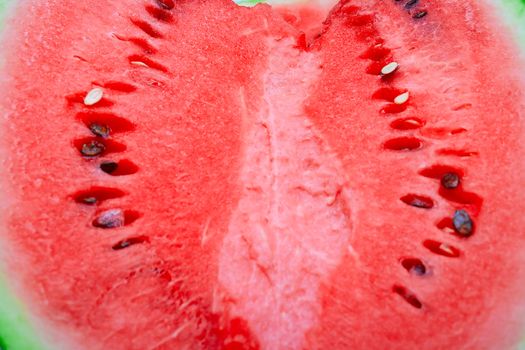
(250, 180)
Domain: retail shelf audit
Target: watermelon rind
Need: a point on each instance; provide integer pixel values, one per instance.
(16, 330)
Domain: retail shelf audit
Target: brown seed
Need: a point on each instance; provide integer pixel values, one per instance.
(450, 181)
(92, 148)
(111, 218)
(108, 167)
(463, 224)
(100, 130)
(420, 14)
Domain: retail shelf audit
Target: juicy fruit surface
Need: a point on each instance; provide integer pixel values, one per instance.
(260, 188)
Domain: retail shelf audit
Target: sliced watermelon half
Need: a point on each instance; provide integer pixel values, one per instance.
(200, 175)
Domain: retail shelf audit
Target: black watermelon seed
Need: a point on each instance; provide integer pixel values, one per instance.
(420, 14)
(92, 148)
(463, 224)
(108, 167)
(112, 218)
(450, 181)
(100, 130)
(411, 4)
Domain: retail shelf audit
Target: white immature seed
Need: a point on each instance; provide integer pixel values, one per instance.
(446, 248)
(389, 68)
(400, 99)
(94, 96)
(139, 63)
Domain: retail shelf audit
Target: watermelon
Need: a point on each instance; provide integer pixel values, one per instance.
(191, 174)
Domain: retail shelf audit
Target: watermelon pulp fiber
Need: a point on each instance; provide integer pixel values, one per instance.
(290, 211)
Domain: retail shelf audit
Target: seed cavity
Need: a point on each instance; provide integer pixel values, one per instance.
(89, 200)
(121, 168)
(375, 68)
(97, 194)
(418, 201)
(438, 171)
(450, 181)
(409, 123)
(456, 153)
(387, 93)
(441, 248)
(389, 68)
(159, 13)
(463, 224)
(94, 96)
(111, 122)
(460, 196)
(414, 266)
(140, 43)
(419, 14)
(125, 243)
(403, 144)
(100, 130)
(144, 61)
(119, 86)
(408, 296)
(108, 167)
(402, 99)
(139, 64)
(147, 28)
(446, 225)
(392, 108)
(92, 148)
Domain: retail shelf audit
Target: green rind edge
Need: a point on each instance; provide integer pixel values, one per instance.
(17, 333)
(513, 13)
